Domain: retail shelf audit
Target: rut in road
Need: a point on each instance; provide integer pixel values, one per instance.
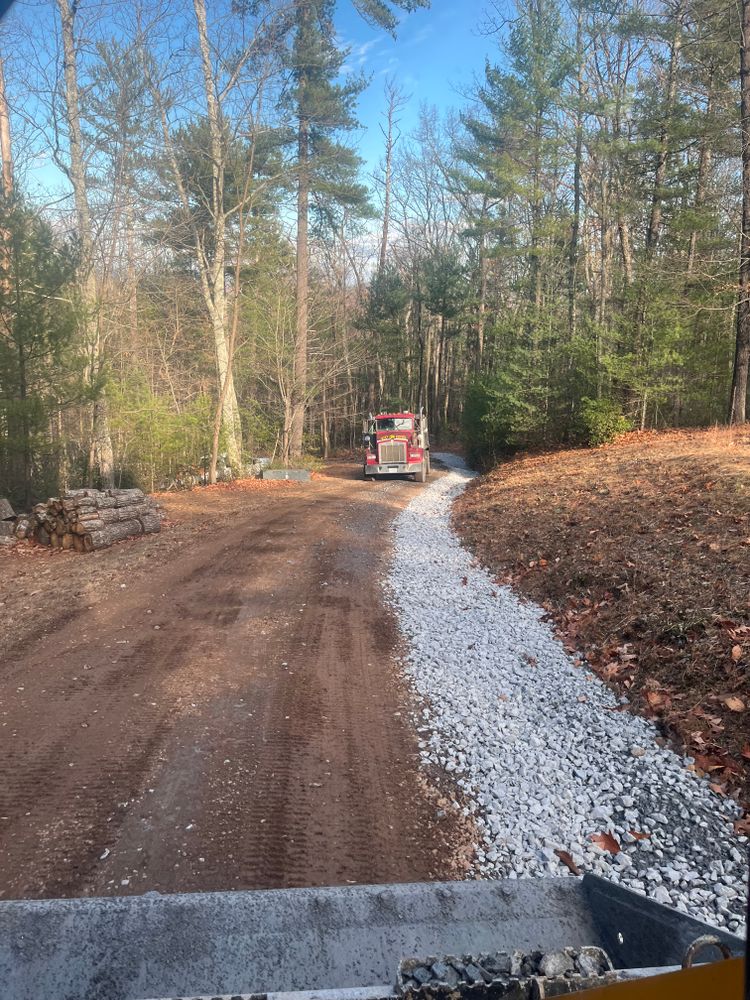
(235, 719)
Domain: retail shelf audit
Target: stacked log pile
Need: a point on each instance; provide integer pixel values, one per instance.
(86, 520)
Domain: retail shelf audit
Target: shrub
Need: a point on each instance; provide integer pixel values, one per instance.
(600, 421)
(494, 419)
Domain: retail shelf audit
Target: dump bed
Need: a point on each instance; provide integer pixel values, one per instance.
(348, 939)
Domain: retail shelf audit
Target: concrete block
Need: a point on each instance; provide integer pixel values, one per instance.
(298, 475)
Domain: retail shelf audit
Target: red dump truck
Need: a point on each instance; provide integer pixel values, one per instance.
(397, 444)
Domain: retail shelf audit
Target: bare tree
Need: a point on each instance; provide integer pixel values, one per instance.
(395, 101)
(101, 457)
(6, 152)
(223, 76)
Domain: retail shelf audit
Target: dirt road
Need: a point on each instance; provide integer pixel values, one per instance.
(223, 711)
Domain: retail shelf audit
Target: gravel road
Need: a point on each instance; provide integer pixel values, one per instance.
(543, 753)
(221, 709)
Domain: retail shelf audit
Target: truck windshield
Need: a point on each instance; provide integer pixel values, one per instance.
(395, 424)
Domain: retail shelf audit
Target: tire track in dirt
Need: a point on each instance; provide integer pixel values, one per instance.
(235, 720)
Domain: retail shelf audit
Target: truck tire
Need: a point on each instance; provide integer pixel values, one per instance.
(421, 475)
(429, 464)
(367, 479)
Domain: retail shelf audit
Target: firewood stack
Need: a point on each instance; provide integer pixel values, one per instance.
(86, 520)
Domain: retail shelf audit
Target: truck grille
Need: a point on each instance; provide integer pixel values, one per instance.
(393, 452)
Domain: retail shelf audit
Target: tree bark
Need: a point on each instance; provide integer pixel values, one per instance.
(576, 226)
(6, 151)
(101, 456)
(299, 388)
(6, 156)
(704, 166)
(217, 277)
(738, 398)
(394, 98)
(662, 159)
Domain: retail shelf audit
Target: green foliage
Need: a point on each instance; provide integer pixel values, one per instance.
(263, 429)
(151, 440)
(496, 418)
(600, 421)
(387, 299)
(41, 370)
(445, 284)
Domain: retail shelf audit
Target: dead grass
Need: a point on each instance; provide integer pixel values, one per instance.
(640, 552)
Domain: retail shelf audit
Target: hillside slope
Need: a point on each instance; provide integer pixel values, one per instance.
(640, 551)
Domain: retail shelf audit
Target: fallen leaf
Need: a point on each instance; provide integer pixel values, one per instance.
(746, 751)
(719, 789)
(734, 704)
(708, 764)
(606, 841)
(464, 580)
(639, 835)
(736, 653)
(568, 861)
(656, 700)
(742, 826)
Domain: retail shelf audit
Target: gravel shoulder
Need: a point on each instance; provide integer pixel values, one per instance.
(640, 553)
(556, 772)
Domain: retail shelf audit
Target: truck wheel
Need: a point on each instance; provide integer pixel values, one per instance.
(367, 478)
(421, 476)
(429, 464)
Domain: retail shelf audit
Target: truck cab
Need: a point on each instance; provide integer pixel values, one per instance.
(397, 444)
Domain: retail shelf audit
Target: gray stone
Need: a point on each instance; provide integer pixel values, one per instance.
(556, 963)
(474, 973)
(591, 962)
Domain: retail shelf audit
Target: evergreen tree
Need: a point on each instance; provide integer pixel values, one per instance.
(41, 367)
(326, 169)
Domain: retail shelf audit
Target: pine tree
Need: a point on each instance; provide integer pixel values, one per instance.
(326, 169)
(41, 368)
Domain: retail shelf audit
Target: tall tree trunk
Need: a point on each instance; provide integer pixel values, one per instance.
(6, 151)
(704, 166)
(482, 306)
(299, 380)
(217, 278)
(662, 159)
(101, 456)
(394, 98)
(576, 226)
(6, 156)
(299, 388)
(623, 228)
(738, 399)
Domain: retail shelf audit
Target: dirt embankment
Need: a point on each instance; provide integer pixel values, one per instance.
(640, 552)
(217, 706)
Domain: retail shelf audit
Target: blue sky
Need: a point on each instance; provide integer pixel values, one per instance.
(437, 55)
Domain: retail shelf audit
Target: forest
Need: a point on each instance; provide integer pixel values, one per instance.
(562, 256)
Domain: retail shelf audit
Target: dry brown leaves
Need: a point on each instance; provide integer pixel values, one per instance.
(639, 553)
(567, 860)
(606, 841)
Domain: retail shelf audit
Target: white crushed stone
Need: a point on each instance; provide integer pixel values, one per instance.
(531, 741)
